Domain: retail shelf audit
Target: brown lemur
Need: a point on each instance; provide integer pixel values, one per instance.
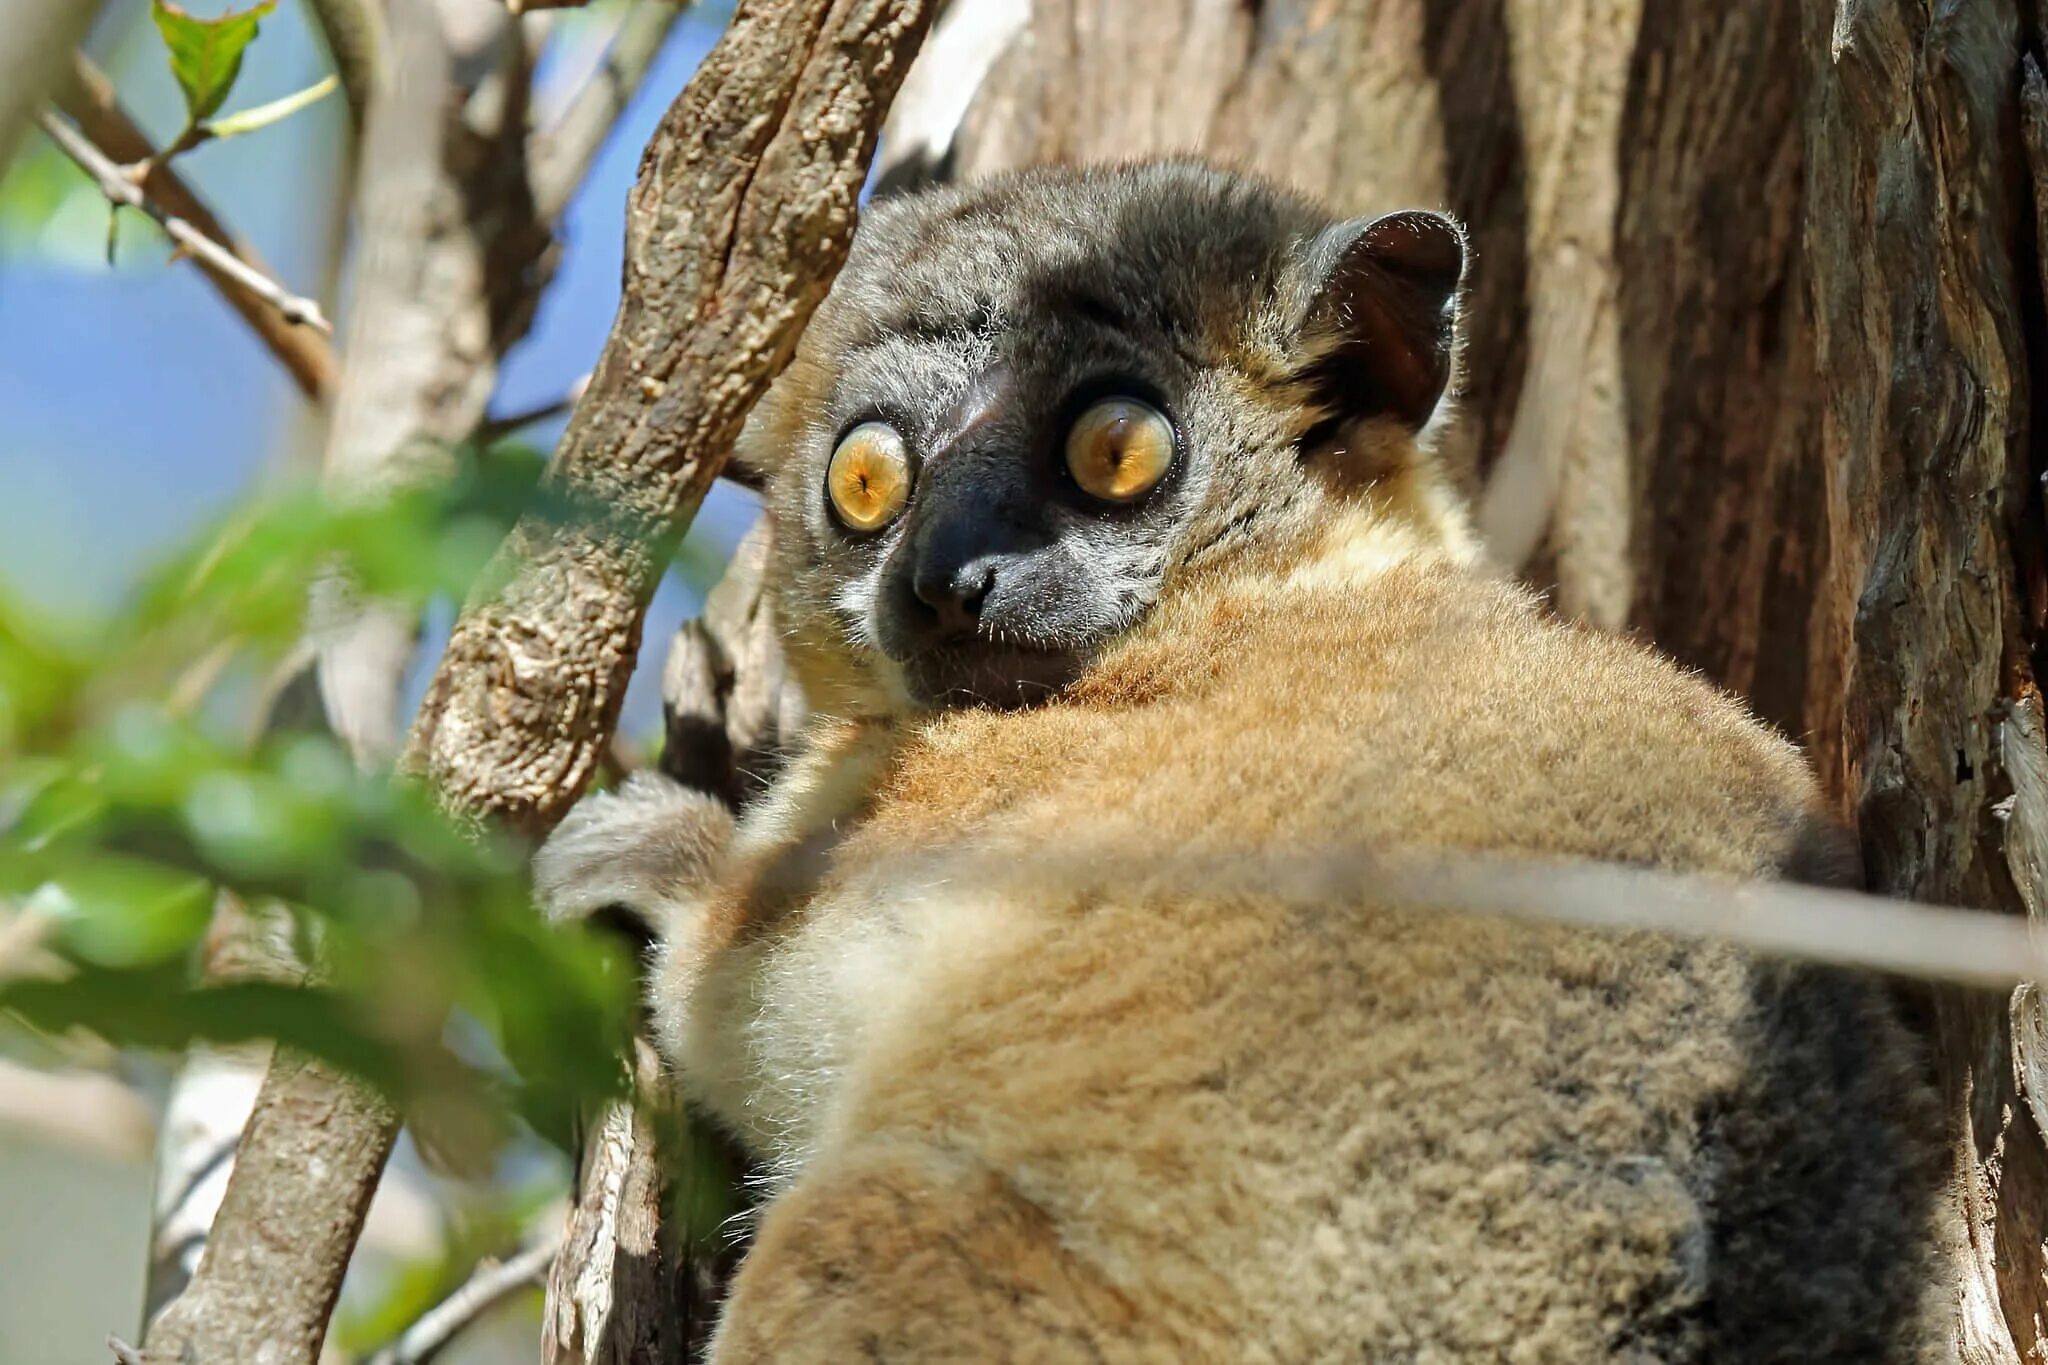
(1104, 514)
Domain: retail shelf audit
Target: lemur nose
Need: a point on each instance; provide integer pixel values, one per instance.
(955, 594)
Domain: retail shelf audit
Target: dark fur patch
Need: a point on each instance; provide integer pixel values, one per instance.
(1823, 853)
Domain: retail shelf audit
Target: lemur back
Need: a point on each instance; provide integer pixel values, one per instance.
(1035, 1116)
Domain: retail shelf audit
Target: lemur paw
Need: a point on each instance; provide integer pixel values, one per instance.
(639, 848)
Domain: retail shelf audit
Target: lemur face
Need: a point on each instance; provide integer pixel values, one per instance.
(1030, 407)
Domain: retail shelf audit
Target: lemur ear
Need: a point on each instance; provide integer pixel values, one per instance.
(1382, 323)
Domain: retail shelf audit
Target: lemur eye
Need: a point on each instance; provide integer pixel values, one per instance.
(868, 480)
(1119, 449)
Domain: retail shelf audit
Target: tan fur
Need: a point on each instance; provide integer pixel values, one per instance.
(1053, 1129)
(1006, 1119)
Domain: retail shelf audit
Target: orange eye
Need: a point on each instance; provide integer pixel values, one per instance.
(868, 480)
(1119, 449)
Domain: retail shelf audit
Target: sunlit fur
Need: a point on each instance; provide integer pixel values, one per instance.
(1054, 1124)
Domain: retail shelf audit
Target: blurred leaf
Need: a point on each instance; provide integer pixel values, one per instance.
(37, 674)
(121, 819)
(121, 912)
(206, 54)
(157, 1007)
(263, 115)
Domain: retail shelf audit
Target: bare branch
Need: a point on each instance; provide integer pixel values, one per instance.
(734, 232)
(209, 1102)
(497, 428)
(354, 32)
(492, 1283)
(88, 99)
(445, 233)
(564, 153)
(218, 259)
(293, 1210)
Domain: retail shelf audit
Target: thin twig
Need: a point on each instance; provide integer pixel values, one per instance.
(1974, 948)
(354, 33)
(119, 189)
(563, 154)
(497, 428)
(492, 1283)
(88, 98)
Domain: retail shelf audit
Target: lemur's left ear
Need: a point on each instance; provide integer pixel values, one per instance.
(1383, 320)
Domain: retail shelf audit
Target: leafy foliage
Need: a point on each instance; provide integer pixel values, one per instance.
(206, 54)
(127, 823)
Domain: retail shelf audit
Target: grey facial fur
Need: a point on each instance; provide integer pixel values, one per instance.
(980, 322)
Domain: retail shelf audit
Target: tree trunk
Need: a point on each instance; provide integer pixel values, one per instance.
(1757, 299)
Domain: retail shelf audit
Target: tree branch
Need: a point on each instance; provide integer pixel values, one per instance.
(438, 1327)
(743, 213)
(563, 154)
(88, 99)
(353, 30)
(441, 214)
(32, 46)
(216, 258)
(302, 1182)
(734, 232)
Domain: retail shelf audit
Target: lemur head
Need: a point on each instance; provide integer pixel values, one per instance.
(1034, 406)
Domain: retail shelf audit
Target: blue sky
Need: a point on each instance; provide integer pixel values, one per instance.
(134, 405)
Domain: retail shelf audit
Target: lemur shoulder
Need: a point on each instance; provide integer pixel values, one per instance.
(1104, 514)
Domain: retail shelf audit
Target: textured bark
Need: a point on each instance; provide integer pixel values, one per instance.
(631, 1285)
(1756, 308)
(743, 213)
(304, 1174)
(1915, 630)
(725, 696)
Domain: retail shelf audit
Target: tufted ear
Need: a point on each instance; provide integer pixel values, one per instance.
(1382, 321)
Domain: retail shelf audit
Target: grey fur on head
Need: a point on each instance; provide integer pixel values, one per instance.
(1295, 355)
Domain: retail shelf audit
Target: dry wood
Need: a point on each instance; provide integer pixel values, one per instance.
(1909, 547)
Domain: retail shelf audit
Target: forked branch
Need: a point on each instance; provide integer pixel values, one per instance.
(87, 98)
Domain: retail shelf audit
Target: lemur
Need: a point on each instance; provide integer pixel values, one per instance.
(1105, 515)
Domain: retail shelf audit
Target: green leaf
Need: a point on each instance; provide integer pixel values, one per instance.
(206, 54)
(263, 115)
